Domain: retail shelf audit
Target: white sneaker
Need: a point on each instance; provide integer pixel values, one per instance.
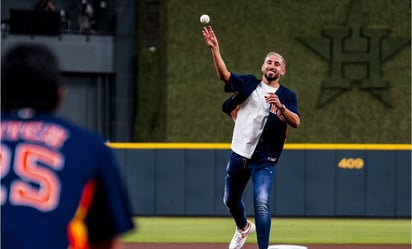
(240, 236)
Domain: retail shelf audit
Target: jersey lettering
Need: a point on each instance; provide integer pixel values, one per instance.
(38, 186)
(277, 112)
(51, 135)
(11, 130)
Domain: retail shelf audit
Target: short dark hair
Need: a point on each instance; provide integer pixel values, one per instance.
(29, 78)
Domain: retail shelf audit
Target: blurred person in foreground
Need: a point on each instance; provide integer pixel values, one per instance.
(61, 185)
(262, 109)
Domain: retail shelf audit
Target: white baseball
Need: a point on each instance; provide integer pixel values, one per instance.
(204, 19)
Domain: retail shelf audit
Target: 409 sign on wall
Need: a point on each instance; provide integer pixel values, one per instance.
(351, 163)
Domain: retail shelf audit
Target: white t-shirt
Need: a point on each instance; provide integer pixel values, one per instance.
(250, 121)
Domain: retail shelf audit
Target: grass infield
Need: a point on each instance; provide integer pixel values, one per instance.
(284, 230)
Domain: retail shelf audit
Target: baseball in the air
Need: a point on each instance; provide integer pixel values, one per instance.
(204, 19)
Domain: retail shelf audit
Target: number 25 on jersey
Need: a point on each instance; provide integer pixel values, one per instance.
(37, 184)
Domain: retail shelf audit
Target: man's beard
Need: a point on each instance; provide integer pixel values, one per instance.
(271, 77)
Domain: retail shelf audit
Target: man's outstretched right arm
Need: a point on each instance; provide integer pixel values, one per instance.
(220, 66)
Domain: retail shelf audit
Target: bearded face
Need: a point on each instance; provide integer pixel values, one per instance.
(273, 67)
(271, 75)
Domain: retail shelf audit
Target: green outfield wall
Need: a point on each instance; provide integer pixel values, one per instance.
(311, 180)
(349, 62)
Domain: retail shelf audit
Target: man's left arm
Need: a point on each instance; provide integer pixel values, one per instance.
(288, 109)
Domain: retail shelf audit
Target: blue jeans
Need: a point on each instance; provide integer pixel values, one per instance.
(238, 172)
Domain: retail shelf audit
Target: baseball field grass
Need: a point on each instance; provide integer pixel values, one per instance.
(284, 230)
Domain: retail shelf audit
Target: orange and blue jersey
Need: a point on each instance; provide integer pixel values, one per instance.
(60, 185)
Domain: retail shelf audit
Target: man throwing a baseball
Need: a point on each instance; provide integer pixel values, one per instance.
(264, 108)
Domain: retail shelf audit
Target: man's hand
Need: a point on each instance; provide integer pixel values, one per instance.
(272, 98)
(288, 116)
(210, 37)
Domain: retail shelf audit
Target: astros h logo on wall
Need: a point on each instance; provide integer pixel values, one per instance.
(355, 53)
